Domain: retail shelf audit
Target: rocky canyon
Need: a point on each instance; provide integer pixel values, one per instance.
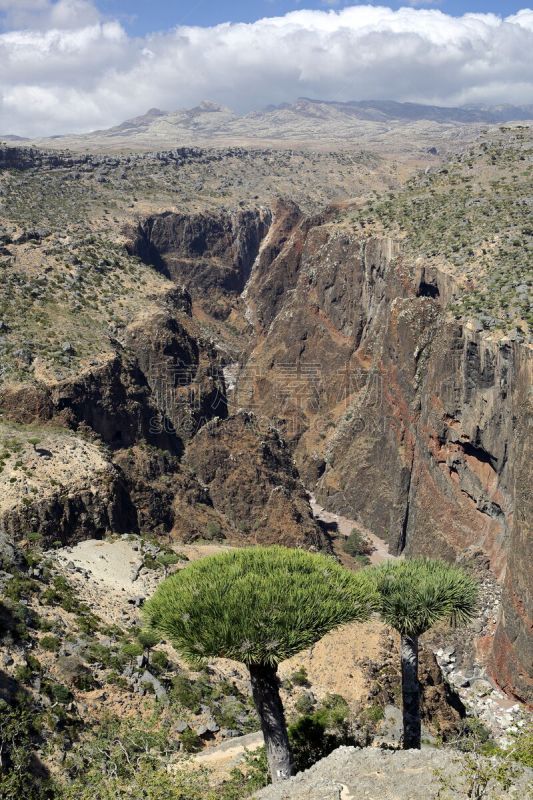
(190, 350)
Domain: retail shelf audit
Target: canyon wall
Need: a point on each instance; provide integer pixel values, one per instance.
(399, 415)
(211, 254)
(352, 376)
(141, 405)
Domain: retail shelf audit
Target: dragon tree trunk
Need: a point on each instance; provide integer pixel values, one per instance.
(265, 690)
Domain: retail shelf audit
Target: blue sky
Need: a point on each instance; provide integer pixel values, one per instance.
(144, 16)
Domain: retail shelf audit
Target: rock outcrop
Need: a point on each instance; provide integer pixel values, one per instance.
(252, 480)
(212, 254)
(62, 489)
(392, 775)
(183, 372)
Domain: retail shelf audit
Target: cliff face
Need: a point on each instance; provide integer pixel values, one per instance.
(512, 654)
(182, 370)
(133, 406)
(210, 253)
(59, 487)
(395, 412)
(251, 479)
(409, 420)
(157, 385)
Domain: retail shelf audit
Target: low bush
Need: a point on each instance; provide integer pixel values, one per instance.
(304, 704)
(51, 643)
(190, 741)
(310, 741)
(159, 660)
(168, 559)
(57, 692)
(21, 775)
(333, 712)
(148, 638)
(299, 677)
(187, 693)
(357, 546)
(132, 649)
(521, 748)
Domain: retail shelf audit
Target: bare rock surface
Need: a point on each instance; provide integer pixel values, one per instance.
(59, 485)
(374, 774)
(254, 482)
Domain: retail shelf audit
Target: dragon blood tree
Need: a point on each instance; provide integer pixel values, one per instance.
(415, 594)
(259, 606)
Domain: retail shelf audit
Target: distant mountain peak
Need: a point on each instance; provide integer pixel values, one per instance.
(306, 119)
(209, 106)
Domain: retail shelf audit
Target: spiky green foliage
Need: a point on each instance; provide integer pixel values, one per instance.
(418, 592)
(257, 605)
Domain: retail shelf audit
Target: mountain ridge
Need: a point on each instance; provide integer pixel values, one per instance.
(375, 123)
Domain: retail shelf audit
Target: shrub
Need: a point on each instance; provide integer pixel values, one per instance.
(117, 680)
(50, 643)
(213, 531)
(159, 660)
(473, 736)
(16, 619)
(187, 693)
(299, 677)
(190, 741)
(20, 587)
(356, 545)
(57, 692)
(245, 783)
(132, 649)
(333, 711)
(374, 713)
(126, 760)
(168, 559)
(310, 741)
(23, 674)
(304, 704)
(21, 777)
(61, 593)
(148, 638)
(99, 653)
(85, 681)
(521, 748)
(88, 623)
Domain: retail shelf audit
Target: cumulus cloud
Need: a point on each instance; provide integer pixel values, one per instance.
(71, 70)
(46, 14)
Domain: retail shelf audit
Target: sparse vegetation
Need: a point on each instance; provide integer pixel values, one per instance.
(479, 230)
(300, 677)
(51, 643)
(70, 293)
(20, 774)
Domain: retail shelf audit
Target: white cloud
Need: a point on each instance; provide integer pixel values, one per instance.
(46, 14)
(28, 5)
(70, 70)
